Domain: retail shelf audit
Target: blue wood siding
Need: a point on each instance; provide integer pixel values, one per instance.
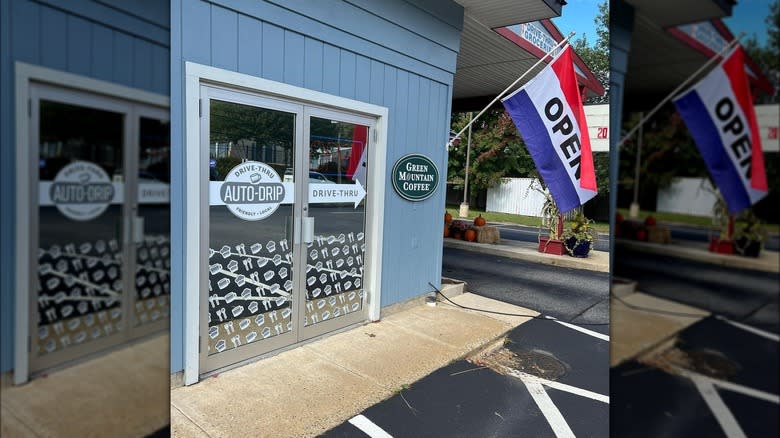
(127, 46)
(387, 52)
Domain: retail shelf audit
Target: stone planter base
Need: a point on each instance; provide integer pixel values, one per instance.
(747, 248)
(721, 246)
(579, 250)
(548, 246)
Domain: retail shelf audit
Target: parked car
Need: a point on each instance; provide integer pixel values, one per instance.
(314, 177)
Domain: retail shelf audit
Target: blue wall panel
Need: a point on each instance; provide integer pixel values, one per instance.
(294, 59)
(362, 79)
(402, 59)
(54, 53)
(347, 74)
(79, 40)
(102, 53)
(273, 52)
(127, 46)
(178, 243)
(250, 43)
(224, 39)
(331, 70)
(313, 67)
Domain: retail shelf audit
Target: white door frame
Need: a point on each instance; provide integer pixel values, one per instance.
(25, 74)
(197, 74)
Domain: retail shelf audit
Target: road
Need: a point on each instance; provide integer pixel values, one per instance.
(730, 385)
(573, 295)
(747, 296)
(556, 383)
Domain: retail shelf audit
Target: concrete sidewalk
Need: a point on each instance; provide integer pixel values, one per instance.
(307, 390)
(528, 251)
(122, 393)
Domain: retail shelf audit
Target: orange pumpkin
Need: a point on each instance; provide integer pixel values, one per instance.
(470, 235)
(457, 234)
(446, 230)
(479, 221)
(447, 217)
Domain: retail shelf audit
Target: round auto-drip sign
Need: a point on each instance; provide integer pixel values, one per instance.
(81, 190)
(252, 191)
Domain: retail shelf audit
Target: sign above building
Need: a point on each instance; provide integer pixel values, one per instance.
(415, 177)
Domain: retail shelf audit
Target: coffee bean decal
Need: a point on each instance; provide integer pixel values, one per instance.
(80, 290)
(250, 293)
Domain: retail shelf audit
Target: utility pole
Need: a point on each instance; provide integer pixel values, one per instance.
(633, 212)
(464, 206)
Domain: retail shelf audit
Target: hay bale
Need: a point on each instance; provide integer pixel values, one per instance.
(487, 234)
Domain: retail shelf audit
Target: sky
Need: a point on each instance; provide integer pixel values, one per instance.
(579, 16)
(748, 16)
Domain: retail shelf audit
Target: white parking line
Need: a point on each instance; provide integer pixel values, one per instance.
(598, 335)
(554, 417)
(556, 385)
(750, 329)
(368, 427)
(719, 409)
(734, 387)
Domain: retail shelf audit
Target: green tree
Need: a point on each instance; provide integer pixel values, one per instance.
(596, 56)
(668, 151)
(498, 151)
(768, 56)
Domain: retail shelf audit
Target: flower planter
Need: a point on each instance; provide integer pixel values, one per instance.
(577, 248)
(746, 247)
(721, 246)
(548, 246)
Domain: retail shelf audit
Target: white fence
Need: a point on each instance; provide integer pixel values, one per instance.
(688, 196)
(515, 196)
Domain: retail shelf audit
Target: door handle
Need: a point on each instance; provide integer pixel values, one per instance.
(138, 229)
(308, 230)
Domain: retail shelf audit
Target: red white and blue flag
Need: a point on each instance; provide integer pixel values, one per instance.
(720, 115)
(549, 115)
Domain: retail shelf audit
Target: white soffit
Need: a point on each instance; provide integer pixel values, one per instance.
(500, 13)
(675, 12)
(488, 62)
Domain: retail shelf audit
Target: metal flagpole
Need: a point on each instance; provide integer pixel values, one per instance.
(464, 207)
(680, 87)
(449, 143)
(633, 212)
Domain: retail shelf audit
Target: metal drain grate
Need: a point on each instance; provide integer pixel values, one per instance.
(711, 363)
(535, 362)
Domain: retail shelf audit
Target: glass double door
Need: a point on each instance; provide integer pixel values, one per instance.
(100, 223)
(286, 189)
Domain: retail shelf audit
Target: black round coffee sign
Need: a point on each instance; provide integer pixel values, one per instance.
(415, 177)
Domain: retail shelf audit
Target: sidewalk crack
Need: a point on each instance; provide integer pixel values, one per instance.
(190, 419)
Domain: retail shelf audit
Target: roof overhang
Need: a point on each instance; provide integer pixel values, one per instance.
(494, 50)
(658, 59)
(500, 13)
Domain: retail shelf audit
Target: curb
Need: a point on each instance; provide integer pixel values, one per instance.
(527, 254)
(732, 261)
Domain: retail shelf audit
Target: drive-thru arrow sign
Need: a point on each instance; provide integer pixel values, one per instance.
(332, 193)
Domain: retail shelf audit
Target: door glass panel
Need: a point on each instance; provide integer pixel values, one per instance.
(251, 158)
(152, 226)
(337, 187)
(80, 225)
